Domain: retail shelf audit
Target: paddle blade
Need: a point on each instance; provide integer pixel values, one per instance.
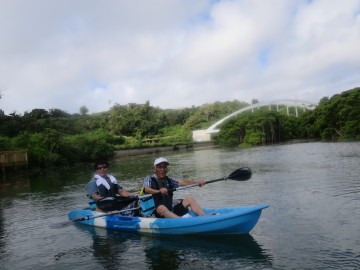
(62, 224)
(241, 174)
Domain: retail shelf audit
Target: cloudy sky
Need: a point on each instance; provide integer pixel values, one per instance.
(174, 53)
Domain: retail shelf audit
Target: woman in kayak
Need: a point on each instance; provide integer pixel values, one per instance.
(104, 190)
(160, 185)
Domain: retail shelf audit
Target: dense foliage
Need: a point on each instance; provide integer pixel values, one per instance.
(335, 118)
(258, 127)
(55, 137)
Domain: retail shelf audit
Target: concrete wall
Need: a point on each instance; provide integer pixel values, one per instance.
(13, 158)
(201, 136)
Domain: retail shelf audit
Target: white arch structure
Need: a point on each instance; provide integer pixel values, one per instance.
(306, 105)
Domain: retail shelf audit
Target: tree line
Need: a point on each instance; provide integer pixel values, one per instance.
(54, 137)
(335, 118)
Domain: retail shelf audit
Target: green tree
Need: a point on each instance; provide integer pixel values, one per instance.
(259, 127)
(334, 118)
(43, 147)
(83, 110)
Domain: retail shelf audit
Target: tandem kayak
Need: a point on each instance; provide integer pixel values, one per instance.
(238, 220)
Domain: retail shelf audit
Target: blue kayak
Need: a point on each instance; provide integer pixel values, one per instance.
(239, 220)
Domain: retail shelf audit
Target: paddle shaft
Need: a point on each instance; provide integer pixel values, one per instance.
(67, 223)
(105, 214)
(241, 174)
(196, 185)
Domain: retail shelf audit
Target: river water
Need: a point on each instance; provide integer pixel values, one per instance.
(313, 221)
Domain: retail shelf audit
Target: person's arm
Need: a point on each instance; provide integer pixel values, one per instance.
(123, 193)
(92, 191)
(96, 197)
(192, 182)
(148, 189)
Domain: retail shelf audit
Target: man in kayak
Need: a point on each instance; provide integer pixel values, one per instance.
(160, 185)
(104, 190)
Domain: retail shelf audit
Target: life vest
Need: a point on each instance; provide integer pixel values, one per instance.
(161, 199)
(106, 188)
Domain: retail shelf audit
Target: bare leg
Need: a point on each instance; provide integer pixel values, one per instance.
(194, 205)
(163, 211)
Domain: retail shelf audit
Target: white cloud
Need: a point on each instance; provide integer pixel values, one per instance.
(67, 54)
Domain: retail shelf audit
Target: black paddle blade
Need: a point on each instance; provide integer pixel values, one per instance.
(241, 174)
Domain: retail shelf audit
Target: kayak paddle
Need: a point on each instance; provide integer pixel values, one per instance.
(68, 223)
(241, 174)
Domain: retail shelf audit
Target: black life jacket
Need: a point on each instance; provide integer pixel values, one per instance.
(161, 199)
(104, 192)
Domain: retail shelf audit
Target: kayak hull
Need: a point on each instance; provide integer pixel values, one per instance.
(239, 220)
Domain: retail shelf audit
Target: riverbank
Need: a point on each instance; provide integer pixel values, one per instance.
(162, 149)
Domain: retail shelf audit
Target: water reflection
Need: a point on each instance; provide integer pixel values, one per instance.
(203, 252)
(113, 248)
(14, 184)
(10, 186)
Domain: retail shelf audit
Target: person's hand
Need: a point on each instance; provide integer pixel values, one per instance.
(201, 183)
(163, 191)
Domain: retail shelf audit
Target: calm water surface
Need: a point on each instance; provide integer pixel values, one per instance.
(313, 221)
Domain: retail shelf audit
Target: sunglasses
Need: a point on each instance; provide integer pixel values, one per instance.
(102, 167)
(161, 167)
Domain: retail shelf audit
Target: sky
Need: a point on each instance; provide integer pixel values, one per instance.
(174, 53)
